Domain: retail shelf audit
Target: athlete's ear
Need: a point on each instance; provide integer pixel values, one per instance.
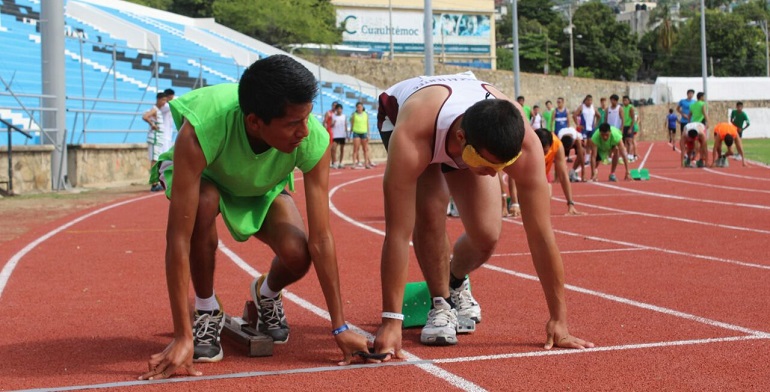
(460, 135)
(253, 123)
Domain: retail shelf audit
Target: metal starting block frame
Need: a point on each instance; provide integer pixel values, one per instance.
(465, 325)
(243, 332)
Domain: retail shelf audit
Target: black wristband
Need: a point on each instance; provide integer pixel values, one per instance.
(570, 203)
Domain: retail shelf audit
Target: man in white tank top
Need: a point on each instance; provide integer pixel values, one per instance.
(615, 112)
(433, 128)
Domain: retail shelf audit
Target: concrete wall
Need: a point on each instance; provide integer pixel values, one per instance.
(31, 168)
(107, 164)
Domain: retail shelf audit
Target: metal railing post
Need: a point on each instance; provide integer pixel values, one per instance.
(82, 91)
(114, 71)
(10, 163)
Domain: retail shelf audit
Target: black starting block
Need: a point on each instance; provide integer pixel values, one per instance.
(243, 332)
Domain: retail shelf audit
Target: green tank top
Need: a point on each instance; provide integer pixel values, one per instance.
(547, 115)
(360, 123)
(696, 111)
(627, 120)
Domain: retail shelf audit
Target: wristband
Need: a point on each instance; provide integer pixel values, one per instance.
(570, 203)
(515, 205)
(394, 316)
(340, 330)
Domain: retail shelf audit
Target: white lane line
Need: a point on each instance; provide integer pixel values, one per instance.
(721, 173)
(434, 370)
(477, 358)
(567, 252)
(580, 289)
(671, 218)
(707, 185)
(675, 197)
(642, 305)
(599, 349)
(10, 265)
(641, 165)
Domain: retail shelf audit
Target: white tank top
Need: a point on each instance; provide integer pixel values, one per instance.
(589, 114)
(338, 126)
(569, 131)
(464, 91)
(613, 116)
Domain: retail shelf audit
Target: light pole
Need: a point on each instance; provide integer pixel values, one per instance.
(428, 37)
(515, 37)
(704, 67)
(571, 27)
(390, 26)
(767, 49)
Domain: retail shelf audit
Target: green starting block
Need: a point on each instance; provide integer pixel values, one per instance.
(417, 302)
(643, 174)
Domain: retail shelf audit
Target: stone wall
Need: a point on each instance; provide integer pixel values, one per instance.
(536, 88)
(31, 168)
(98, 165)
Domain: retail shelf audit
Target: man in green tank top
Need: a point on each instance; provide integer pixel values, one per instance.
(548, 115)
(236, 152)
(698, 110)
(629, 117)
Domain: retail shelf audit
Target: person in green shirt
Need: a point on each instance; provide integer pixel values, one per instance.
(527, 109)
(629, 117)
(602, 110)
(359, 127)
(607, 143)
(236, 152)
(698, 110)
(739, 118)
(548, 115)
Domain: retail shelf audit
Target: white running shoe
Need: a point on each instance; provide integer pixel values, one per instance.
(441, 327)
(465, 304)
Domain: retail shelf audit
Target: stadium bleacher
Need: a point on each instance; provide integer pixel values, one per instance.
(115, 83)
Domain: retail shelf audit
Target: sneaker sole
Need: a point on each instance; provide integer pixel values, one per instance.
(213, 359)
(439, 341)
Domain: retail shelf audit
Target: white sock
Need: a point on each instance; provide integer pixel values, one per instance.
(266, 292)
(209, 304)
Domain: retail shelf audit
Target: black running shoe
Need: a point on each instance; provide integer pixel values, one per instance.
(207, 329)
(272, 320)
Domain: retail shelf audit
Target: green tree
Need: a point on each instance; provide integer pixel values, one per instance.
(281, 22)
(736, 48)
(602, 45)
(537, 24)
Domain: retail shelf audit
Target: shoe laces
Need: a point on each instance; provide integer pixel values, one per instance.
(442, 318)
(463, 298)
(271, 312)
(207, 328)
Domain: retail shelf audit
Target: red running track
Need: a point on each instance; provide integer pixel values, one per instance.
(665, 276)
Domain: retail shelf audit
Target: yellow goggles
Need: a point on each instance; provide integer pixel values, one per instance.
(472, 158)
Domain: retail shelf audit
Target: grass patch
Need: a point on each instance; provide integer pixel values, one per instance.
(757, 150)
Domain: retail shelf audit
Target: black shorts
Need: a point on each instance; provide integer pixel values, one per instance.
(681, 127)
(672, 130)
(628, 132)
(339, 140)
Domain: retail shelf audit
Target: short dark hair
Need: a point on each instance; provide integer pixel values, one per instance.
(587, 96)
(520, 97)
(547, 102)
(693, 133)
(604, 128)
(272, 83)
(337, 106)
(626, 97)
(690, 91)
(739, 103)
(536, 107)
(545, 136)
(670, 111)
(567, 141)
(494, 125)
(160, 95)
(699, 95)
(615, 97)
(169, 91)
(729, 140)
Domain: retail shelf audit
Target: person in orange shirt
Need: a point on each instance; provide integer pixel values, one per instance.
(727, 133)
(555, 156)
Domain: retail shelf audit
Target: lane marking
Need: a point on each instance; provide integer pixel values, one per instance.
(675, 197)
(637, 304)
(641, 165)
(732, 188)
(10, 265)
(735, 175)
(672, 218)
(580, 289)
(477, 358)
(434, 370)
(567, 252)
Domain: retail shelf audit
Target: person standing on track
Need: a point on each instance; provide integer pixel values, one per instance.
(629, 115)
(693, 133)
(699, 110)
(339, 136)
(607, 143)
(560, 116)
(359, 128)
(615, 112)
(726, 133)
(739, 118)
(670, 123)
(548, 115)
(683, 108)
(155, 136)
(236, 153)
(587, 117)
(451, 135)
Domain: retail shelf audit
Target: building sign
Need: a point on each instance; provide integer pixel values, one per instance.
(452, 33)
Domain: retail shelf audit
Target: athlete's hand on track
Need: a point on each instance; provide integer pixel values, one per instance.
(177, 355)
(558, 335)
(388, 340)
(515, 211)
(628, 176)
(350, 342)
(573, 211)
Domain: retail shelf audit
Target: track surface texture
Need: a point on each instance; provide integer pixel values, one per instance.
(668, 277)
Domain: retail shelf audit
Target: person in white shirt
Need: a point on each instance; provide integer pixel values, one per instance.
(586, 117)
(615, 112)
(339, 135)
(167, 128)
(155, 142)
(537, 118)
(571, 138)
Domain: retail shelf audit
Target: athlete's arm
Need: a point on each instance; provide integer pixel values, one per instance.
(148, 117)
(529, 173)
(704, 153)
(561, 173)
(189, 163)
(632, 113)
(322, 252)
(593, 151)
(682, 146)
(624, 156)
(409, 154)
(679, 109)
(717, 148)
(739, 146)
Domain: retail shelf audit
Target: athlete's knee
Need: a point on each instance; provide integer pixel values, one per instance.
(485, 243)
(293, 252)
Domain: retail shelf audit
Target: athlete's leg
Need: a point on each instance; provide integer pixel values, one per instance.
(356, 148)
(431, 242)
(475, 198)
(203, 243)
(615, 154)
(334, 153)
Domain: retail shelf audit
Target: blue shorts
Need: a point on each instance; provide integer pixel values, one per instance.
(587, 134)
(362, 136)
